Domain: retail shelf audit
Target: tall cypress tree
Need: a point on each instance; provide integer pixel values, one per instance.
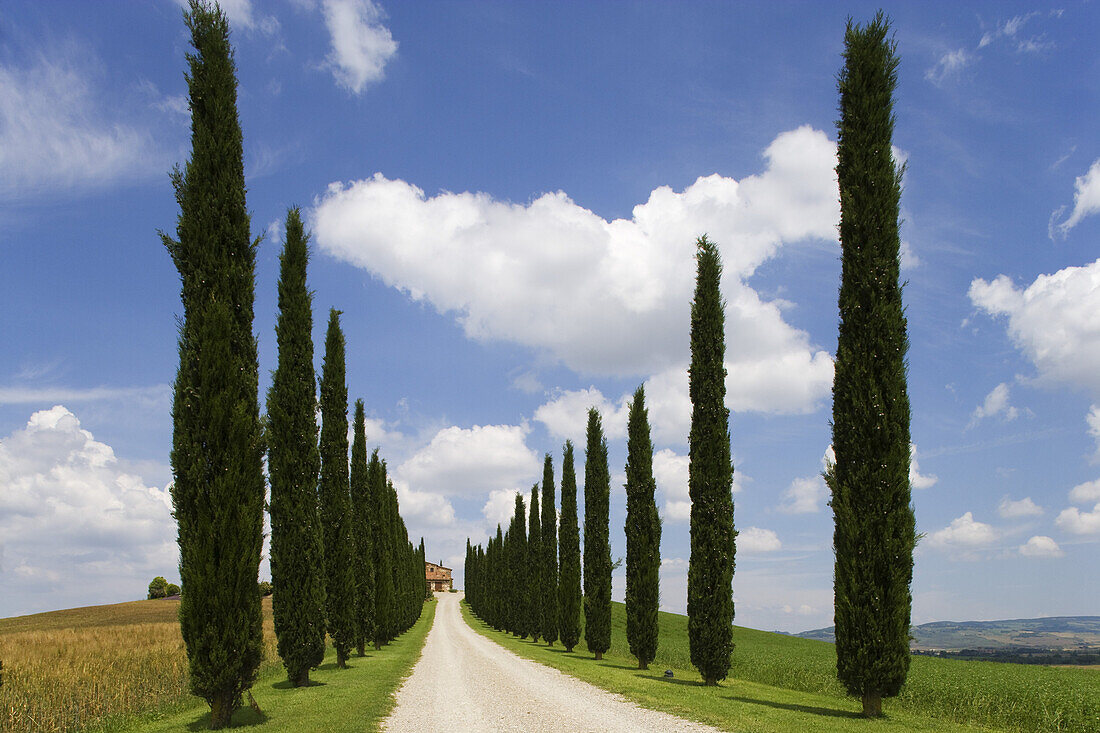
(334, 495)
(498, 576)
(643, 537)
(217, 442)
(292, 465)
(569, 539)
(875, 530)
(710, 478)
(535, 567)
(380, 551)
(360, 533)
(517, 570)
(549, 593)
(597, 542)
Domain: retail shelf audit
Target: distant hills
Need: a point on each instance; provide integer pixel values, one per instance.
(1070, 633)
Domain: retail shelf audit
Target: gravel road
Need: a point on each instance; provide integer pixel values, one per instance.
(464, 682)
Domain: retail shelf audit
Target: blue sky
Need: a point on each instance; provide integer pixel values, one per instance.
(504, 199)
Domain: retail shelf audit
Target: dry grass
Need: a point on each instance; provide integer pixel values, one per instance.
(69, 670)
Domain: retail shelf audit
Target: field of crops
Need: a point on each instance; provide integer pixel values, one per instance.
(84, 667)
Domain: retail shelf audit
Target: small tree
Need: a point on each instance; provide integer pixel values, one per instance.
(569, 586)
(597, 544)
(643, 537)
(158, 588)
(173, 589)
(549, 593)
(875, 530)
(710, 478)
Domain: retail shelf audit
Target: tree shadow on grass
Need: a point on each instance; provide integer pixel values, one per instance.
(287, 685)
(679, 681)
(812, 710)
(245, 717)
(332, 665)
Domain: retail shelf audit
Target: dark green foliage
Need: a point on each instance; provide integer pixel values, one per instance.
(597, 542)
(643, 537)
(516, 540)
(875, 532)
(384, 608)
(336, 519)
(497, 570)
(549, 565)
(533, 578)
(173, 589)
(264, 588)
(158, 588)
(569, 539)
(360, 533)
(292, 465)
(217, 441)
(710, 478)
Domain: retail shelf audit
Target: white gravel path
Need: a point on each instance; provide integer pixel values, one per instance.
(464, 682)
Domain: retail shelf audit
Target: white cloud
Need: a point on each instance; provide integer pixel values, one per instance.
(76, 523)
(607, 297)
(670, 471)
(1010, 509)
(566, 414)
(500, 508)
(755, 539)
(424, 507)
(963, 533)
(158, 394)
(1053, 321)
(1078, 522)
(916, 478)
(1085, 493)
(57, 133)
(472, 461)
(950, 63)
(1093, 420)
(804, 496)
(1041, 546)
(996, 403)
(1086, 198)
(240, 15)
(361, 44)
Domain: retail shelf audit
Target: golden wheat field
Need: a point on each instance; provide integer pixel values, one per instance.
(70, 670)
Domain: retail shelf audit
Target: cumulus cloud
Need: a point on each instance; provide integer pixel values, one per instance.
(1016, 509)
(1080, 522)
(917, 479)
(670, 471)
(1085, 493)
(607, 297)
(500, 507)
(1041, 546)
(963, 533)
(1052, 321)
(565, 415)
(424, 507)
(804, 496)
(76, 523)
(361, 44)
(755, 539)
(57, 133)
(472, 461)
(996, 403)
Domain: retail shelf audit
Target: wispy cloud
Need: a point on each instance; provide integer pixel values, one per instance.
(43, 395)
(361, 44)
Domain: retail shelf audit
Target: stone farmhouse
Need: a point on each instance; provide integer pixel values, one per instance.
(438, 577)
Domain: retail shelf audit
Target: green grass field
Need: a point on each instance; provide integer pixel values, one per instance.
(781, 683)
(122, 667)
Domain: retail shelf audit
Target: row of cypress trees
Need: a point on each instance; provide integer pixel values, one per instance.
(527, 580)
(341, 561)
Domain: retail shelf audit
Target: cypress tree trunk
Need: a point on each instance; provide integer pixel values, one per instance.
(360, 507)
(549, 555)
(874, 524)
(710, 478)
(217, 442)
(292, 465)
(334, 495)
(535, 568)
(569, 588)
(643, 537)
(597, 545)
(380, 539)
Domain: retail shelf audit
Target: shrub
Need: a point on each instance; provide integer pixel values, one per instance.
(158, 588)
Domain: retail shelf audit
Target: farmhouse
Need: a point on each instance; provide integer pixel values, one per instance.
(438, 577)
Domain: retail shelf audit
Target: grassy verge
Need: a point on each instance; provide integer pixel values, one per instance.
(779, 683)
(355, 699)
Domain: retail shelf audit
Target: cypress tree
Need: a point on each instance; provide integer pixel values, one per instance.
(380, 551)
(549, 592)
(517, 569)
(710, 478)
(875, 530)
(334, 495)
(569, 586)
(535, 568)
(292, 465)
(497, 578)
(217, 441)
(361, 529)
(643, 537)
(597, 544)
